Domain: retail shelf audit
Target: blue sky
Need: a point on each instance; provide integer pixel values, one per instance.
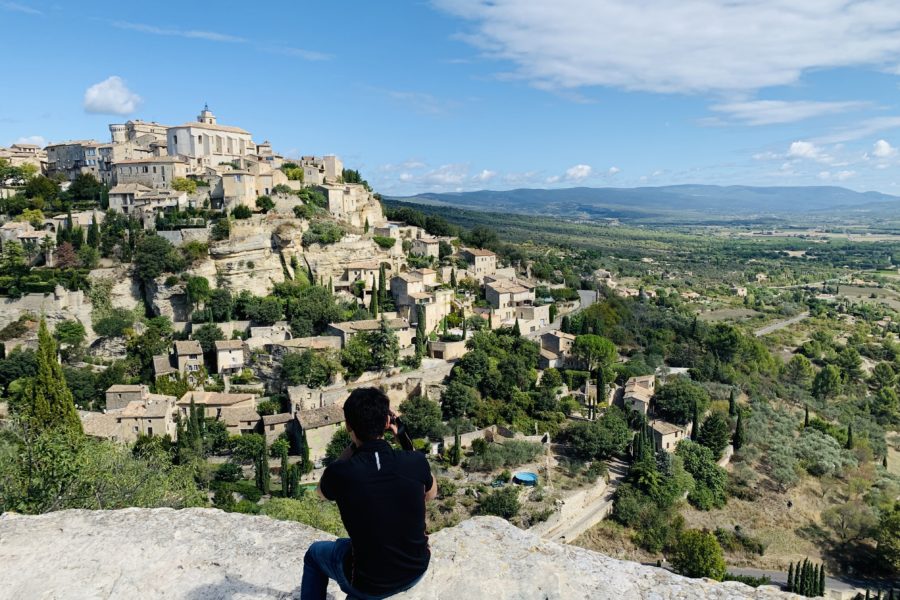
(449, 95)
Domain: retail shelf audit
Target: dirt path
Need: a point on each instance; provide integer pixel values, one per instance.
(773, 327)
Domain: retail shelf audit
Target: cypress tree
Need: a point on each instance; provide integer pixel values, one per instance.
(732, 403)
(382, 285)
(285, 474)
(516, 331)
(373, 305)
(453, 278)
(263, 478)
(790, 578)
(822, 579)
(49, 400)
(737, 439)
(366, 226)
(884, 461)
(566, 324)
(849, 445)
(93, 236)
(806, 415)
(601, 386)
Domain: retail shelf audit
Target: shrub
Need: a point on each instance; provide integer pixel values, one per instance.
(309, 510)
(502, 503)
(385, 242)
(241, 211)
(115, 324)
(322, 232)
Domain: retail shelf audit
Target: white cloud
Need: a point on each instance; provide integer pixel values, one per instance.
(303, 53)
(199, 34)
(770, 112)
(803, 149)
(860, 130)
(553, 179)
(485, 175)
(37, 140)
(111, 97)
(882, 149)
(20, 8)
(452, 174)
(406, 177)
(767, 155)
(613, 171)
(839, 176)
(578, 172)
(680, 47)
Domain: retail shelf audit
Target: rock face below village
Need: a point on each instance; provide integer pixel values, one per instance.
(205, 554)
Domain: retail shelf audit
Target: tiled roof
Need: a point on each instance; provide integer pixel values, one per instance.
(321, 417)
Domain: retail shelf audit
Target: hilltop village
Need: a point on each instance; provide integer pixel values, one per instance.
(261, 288)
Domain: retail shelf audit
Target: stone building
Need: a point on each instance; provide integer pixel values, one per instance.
(206, 143)
(666, 435)
(275, 425)
(229, 356)
(426, 247)
(71, 159)
(153, 172)
(24, 154)
(638, 393)
(152, 414)
(348, 329)
(319, 425)
(119, 396)
(483, 262)
(217, 404)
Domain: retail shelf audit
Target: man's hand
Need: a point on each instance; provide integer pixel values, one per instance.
(392, 423)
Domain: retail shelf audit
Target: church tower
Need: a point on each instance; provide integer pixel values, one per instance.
(206, 116)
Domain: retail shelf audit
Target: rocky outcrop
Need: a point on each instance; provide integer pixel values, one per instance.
(201, 554)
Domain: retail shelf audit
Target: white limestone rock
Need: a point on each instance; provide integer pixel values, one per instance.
(206, 554)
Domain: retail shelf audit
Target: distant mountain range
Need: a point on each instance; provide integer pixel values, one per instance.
(672, 201)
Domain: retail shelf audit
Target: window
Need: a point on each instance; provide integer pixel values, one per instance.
(150, 431)
(175, 139)
(271, 428)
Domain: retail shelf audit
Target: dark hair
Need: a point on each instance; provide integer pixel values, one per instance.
(366, 411)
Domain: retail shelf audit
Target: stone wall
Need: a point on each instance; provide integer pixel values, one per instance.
(182, 236)
(61, 305)
(206, 554)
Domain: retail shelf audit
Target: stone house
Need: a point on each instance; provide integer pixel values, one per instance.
(321, 343)
(666, 435)
(216, 403)
(74, 158)
(229, 356)
(348, 329)
(143, 202)
(188, 356)
(638, 393)
(483, 262)
(446, 350)
(558, 342)
(153, 171)
(120, 396)
(241, 421)
(275, 425)
(366, 271)
(151, 415)
(319, 425)
(426, 247)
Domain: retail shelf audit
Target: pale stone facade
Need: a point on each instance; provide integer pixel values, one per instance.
(483, 262)
(71, 159)
(229, 356)
(153, 172)
(206, 143)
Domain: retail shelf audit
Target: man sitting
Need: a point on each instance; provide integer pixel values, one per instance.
(381, 493)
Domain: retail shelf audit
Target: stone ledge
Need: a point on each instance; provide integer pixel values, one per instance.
(205, 554)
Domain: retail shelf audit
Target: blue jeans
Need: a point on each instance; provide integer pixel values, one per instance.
(324, 561)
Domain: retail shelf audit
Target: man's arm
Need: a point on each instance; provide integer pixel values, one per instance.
(345, 455)
(432, 493)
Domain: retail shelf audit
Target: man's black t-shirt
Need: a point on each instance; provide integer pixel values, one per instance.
(381, 495)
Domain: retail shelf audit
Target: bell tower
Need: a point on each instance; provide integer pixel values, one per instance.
(206, 116)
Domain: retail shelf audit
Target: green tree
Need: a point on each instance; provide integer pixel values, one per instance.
(422, 417)
(594, 351)
(241, 211)
(827, 383)
(198, 290)
(263, 477)
(265, 204)
(714, 433)
(710, 480)
(154, 256)
(49, 402)
(698, 554)
(339, 442)
(503, 503)
(458, 400)
(384, 346)
(850, 364)
(182, 184)
(737, 440)
(883, 376)
(887, 537)
(70, 332)
(93, 235)
(207, 335)
(601, 439)
(310, 367)
(676, 401)
(849, 444)
(356, 357)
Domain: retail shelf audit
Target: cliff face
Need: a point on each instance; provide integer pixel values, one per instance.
(204, 554)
